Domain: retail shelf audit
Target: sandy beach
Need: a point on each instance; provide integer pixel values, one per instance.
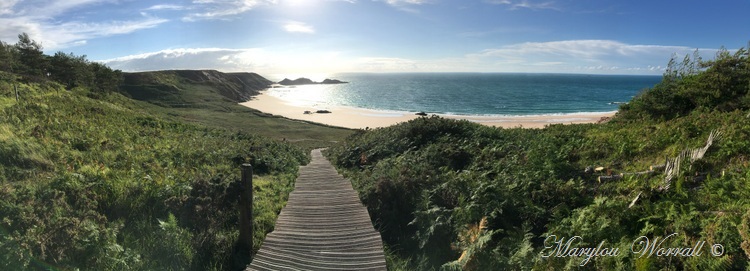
(358, 118)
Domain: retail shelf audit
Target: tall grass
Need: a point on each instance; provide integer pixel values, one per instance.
(102, 184)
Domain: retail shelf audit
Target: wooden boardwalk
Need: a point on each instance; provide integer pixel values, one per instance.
(323, 226)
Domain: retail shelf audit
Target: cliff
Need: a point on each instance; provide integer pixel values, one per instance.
(180, 85)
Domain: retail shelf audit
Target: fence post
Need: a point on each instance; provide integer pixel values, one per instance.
(246, 208)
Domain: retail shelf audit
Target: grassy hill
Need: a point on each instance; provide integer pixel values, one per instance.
(101, 184)
(99, 181)
(104, 170)
(168, 88)
(455, 195)
(210, 98)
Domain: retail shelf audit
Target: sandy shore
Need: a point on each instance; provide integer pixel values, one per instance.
(358, 118)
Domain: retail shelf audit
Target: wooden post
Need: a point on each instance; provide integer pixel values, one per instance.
(246, 208)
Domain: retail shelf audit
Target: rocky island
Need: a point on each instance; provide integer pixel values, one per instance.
(307, 81)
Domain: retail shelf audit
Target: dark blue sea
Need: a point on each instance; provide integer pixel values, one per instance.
(472, 93)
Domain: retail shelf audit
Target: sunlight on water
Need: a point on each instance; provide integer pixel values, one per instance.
(468, 93)
(316, 96)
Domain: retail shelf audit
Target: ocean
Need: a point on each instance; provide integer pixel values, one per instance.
(485, 94)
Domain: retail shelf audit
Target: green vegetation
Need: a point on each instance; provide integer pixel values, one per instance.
(97, 185)
(91, 179)
(26, 59)
(210, 98)
(693, 84)
(454, 195)
(101, 170)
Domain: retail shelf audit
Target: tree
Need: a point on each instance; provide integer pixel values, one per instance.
(105, 79)
(725, 84)
(722, 84)
(31, 60)
(7, 57)
(70, 70)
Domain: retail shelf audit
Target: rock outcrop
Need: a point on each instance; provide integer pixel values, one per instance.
(333, 81)
(307, 81)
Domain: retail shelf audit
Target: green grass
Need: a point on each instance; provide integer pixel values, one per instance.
(236, 117)
(170, 95)
(103, 182)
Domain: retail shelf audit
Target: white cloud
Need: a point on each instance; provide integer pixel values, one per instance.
(588, 50)
(6, 6)
(166, 7)
(575, 56)
(221, 9)
(406, 5)
(401, 2)
(385, 64)
(582, 56)
(52, 8)
(499, 2)
(42, 21)
(299, 27)
(112, 27)
(61, 35)
(249, 59)
(183, 58)
(525, 4)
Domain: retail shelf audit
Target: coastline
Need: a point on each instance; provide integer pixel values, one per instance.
(360, 118)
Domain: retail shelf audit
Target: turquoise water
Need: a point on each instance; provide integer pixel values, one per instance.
(472, 93)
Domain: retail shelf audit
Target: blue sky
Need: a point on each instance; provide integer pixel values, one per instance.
(328, 36)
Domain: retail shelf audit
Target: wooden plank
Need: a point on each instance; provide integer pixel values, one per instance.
(324, 226)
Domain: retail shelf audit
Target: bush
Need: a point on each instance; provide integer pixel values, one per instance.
(721, 84)
(465, 196)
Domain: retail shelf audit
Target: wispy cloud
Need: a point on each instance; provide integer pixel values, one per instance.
(587, 50)
(406, 5)
(583, 56)
(166, 7)
(498, 31)
(402, 2)
(45, 22)
(187, 58)
(385, 64)
(222, 9)
(6, 6)
(261, 60)
(574, 56)
(51, 8)
(73, 31)
(299, 27)
(57, 36)
(526, 4)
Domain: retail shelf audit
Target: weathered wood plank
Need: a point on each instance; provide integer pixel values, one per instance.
(323, 226)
